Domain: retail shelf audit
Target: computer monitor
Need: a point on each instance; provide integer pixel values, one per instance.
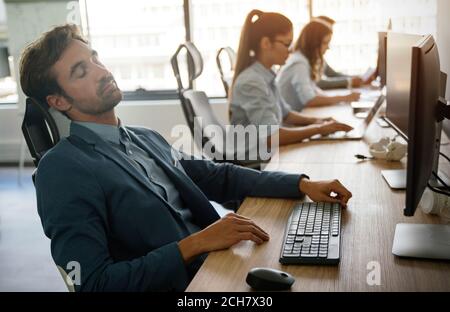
(424, 130)
(427, 86)
(381, 62)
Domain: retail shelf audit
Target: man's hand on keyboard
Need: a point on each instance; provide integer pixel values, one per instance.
(325, 191)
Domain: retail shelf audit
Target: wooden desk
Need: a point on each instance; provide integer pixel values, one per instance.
(367, 231)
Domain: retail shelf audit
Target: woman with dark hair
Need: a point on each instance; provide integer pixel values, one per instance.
(298, 78)
(255, 98)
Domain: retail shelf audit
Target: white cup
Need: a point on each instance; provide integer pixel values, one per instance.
(436, 204)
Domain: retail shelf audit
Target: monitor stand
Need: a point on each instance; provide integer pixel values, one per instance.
(396, 179)
(428, 241)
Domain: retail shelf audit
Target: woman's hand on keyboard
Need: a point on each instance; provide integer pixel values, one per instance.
(325, 191)
(332, 127)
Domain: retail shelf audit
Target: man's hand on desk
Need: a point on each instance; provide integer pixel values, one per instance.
(321, 191)
(222, 234)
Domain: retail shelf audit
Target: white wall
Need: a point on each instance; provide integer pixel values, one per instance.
(161, 116)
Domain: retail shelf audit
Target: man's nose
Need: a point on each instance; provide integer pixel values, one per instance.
(100, 71)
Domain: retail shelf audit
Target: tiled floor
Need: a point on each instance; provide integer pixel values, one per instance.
(25, 260)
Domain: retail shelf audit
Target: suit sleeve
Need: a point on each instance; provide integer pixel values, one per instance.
(74, 214)
(226, 182)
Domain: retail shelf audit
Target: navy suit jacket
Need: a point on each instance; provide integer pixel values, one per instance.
(99, 211)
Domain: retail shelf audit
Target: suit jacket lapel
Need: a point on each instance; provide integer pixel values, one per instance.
(107, 151)
(203, 212)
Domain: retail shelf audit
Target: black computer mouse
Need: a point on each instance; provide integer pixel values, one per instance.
(269, 279)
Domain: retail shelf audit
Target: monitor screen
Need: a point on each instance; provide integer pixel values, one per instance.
(398, 79)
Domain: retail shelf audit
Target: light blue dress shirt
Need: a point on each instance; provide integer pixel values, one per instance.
(295, 83)
(119, 138)
(255, 98)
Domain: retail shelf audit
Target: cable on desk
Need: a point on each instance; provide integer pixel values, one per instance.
(363, 157)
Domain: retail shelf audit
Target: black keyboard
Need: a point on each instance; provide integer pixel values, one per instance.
(312, 234)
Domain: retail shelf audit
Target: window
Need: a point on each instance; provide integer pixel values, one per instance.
(136, 38)
(355, 42)
(218, 23)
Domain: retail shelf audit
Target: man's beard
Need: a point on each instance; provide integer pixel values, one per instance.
(107, 104)
(107, 101)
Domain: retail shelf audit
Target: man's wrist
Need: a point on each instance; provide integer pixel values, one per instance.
(190, 247)
(303, 184)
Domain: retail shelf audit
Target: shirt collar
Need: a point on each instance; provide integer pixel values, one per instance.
(267, 74)
(106, 132)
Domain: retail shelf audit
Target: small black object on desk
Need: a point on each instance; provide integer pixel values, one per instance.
(269, 279)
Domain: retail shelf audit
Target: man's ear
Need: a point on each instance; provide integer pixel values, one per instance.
(58, 102)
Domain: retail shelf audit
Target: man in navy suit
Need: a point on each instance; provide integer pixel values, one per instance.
(119, 201)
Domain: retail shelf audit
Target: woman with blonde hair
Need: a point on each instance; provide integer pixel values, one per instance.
(254, 97)
(298, 79)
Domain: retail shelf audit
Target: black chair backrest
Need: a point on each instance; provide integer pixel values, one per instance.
(226, 75)
(39, 129)
(195, 68)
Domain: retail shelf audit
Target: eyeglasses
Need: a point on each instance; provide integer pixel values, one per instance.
(287, 45)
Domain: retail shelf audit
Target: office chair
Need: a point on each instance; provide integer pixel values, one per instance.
(195, 104)
(41, 134)
(226, 75)
(39, 129)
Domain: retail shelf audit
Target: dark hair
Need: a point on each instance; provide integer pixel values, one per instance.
(309, 44)
(267, 24)
(36, 77)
